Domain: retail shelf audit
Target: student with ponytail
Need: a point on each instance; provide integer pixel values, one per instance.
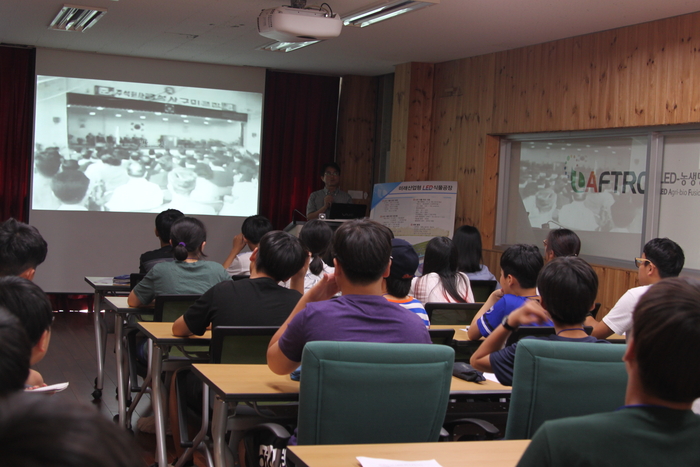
(188, 274)
(316, 235)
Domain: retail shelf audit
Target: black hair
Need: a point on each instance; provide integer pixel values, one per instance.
(204, 171)
(568, 287)
(563, 242)
(21, 247)
(24, 299)
(316, 235)
(667, 256)
(38, 431)
(398, 287)
(467, 242)
(329, 165)
(48, 162)
(280, 255)
(441, 258)
(187, 235)
(70, 186)
(15, 354)
(254, 227)
(164, 222)
(666, 337)
(522, 262)
(363, 249)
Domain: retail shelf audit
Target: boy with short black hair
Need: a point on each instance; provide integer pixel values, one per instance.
(520, 265)
(568, 287)
(362, 252)
(656, 425)
(31, 306)
(404, 262)
(22, 249)
(164, 221)
(70, 187)
(252, 230)
(661, 258)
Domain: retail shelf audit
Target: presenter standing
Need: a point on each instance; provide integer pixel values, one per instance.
(320, 201)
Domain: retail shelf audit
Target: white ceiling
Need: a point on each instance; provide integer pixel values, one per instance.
(224, 32)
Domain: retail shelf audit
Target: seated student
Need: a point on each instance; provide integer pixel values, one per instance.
(362, 251)
(661, 258)
(316, 235)
(15, 351)
(70, 187)
(520, 265)
(164, 221)
(41, 431)
(22, 249)
(31, 306)
(656, 425)
(467, 241)
(188, 274)
(568, 287)
(258, 301)
(404, 262)
(252, 230)
(561, 242)
(441, 282)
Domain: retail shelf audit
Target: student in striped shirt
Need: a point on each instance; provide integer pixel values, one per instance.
(404, 262)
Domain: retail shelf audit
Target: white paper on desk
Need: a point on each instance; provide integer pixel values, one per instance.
(373, 462)
(491, 377)
(53, 388)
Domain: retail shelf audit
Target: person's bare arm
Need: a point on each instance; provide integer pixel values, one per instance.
(237, 247)
(473, 332)
(180, 328)
(35, 380)
(601, 330)
(276, 360)
(133, 300)
(531, 312)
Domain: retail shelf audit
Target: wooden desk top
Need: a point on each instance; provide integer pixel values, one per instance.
(461, 333)
(162, 333)
(105, 283)
(455, 454)
(258, 382)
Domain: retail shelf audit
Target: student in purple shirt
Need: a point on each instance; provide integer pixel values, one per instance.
(361, 251)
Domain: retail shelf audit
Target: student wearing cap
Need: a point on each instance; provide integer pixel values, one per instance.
(404, 262)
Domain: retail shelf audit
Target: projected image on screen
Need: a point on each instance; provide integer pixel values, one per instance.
(131, 147)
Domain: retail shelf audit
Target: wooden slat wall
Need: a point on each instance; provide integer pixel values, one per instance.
(357, 122)
(641, 75)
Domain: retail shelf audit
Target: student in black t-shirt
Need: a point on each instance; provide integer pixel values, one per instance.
(164, 221)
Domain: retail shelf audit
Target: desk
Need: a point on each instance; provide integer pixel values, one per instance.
(162, 337)
(461, 333)
(102, 287)
(255, 383)
(456, 454)
(123, 311)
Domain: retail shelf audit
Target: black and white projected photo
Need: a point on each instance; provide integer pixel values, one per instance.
(133, 147)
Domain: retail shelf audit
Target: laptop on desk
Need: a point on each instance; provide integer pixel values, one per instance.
(347, 211)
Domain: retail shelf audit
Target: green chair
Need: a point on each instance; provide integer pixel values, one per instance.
(563, 379)
(358, 392)
(482, 289)
(452, 313)
(442, 336)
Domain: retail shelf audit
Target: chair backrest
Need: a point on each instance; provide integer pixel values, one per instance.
(241, 344)
(360, 392)
(170, 307)
(482, 289)
(536, 331)
(451, 313)
(442, 336)
(563, 379)
(135, 278)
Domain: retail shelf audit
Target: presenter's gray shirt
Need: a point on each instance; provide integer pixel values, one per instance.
(316, 199)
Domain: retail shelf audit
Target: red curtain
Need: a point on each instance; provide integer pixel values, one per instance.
(299, 129)
(17, 84)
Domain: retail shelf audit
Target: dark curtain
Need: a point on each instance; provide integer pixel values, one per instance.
(17, 84)
(299, 129)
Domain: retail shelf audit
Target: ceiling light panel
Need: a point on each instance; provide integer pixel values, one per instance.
(77, 18)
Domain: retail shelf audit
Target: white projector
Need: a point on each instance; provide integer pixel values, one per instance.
(287, 24)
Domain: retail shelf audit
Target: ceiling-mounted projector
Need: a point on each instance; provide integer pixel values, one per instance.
(288, 24)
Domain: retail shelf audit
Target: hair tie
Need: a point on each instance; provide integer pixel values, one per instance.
(182, 244)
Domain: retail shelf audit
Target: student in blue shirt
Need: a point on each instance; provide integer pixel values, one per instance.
(520, 265)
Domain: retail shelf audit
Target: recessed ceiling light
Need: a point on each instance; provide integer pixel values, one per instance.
(118, 115)
(286, 46)
(384, 11)
(77, 18)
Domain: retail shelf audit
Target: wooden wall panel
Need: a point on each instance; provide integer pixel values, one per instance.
(641, 75)
(357, 125)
